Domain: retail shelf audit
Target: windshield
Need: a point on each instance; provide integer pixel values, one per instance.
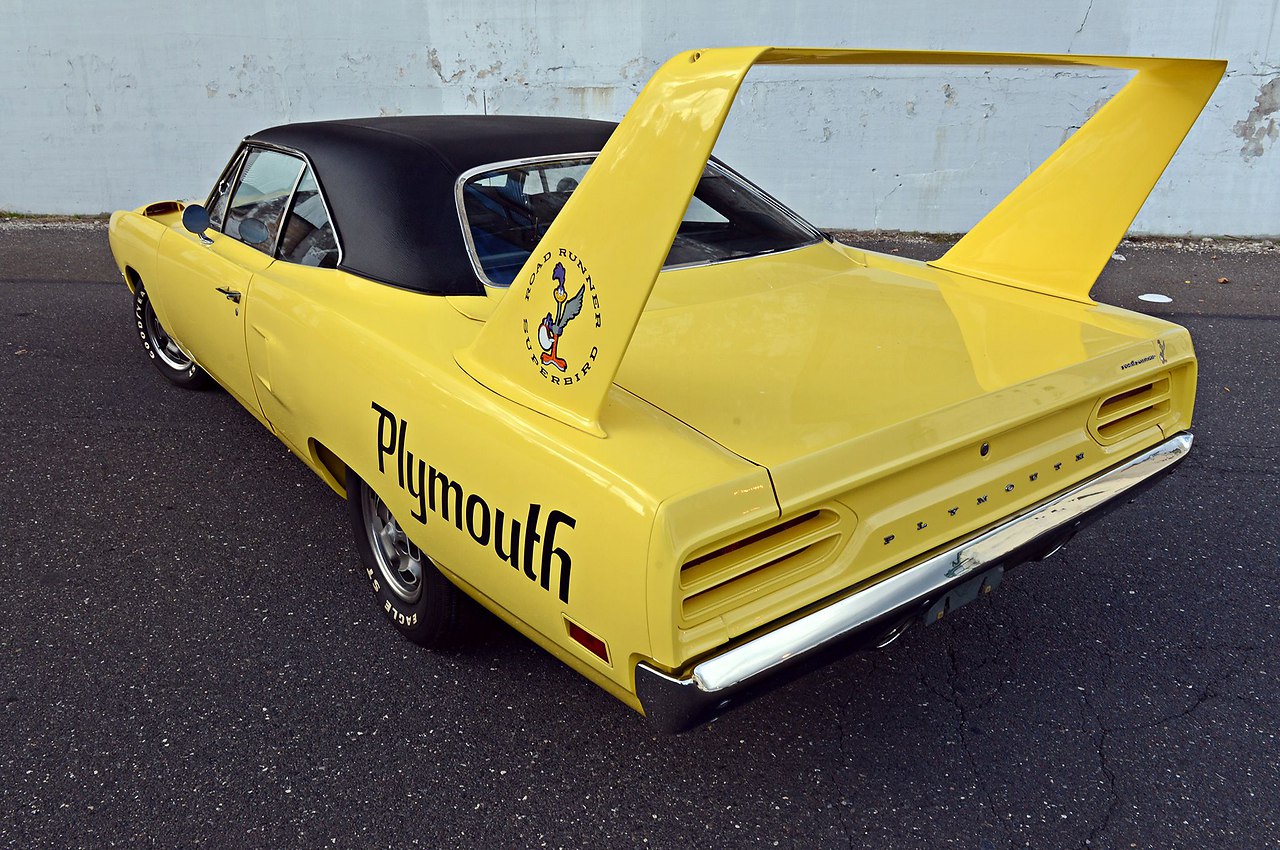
(507, 210)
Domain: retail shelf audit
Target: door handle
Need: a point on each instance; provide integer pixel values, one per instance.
(231, 294)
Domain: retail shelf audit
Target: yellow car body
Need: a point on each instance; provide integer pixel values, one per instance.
(739, 454)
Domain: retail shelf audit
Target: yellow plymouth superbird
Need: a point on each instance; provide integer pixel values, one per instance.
(593, 379)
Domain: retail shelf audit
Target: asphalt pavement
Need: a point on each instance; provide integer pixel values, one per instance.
(188, 657)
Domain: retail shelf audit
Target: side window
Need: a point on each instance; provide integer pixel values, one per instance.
(308, 234)
(217, 205)
(508, 210)
(700, 212)
(257, 205)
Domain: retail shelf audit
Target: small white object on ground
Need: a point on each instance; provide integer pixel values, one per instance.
(1118, 256)
(1155, 298)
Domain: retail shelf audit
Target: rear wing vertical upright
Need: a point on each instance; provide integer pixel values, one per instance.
(555, 342)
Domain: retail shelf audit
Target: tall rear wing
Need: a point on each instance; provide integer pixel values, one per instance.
(556, 340)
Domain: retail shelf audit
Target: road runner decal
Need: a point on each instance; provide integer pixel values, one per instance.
(528, 546)
(568, 274)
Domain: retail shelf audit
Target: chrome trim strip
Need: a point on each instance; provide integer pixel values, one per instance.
(697, 264)
(231, 171)
(713, 684)
(288, 210)
(589, 156)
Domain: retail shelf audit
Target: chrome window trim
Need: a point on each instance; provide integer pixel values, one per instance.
(461, 182)
(288, 208)
(232, 170)
(788, 213)
(697, 264)
(795, 217)
(337, 237)
(284, 211)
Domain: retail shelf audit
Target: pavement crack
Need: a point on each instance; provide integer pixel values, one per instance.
(1101, 745)
(1204, 696)
(952, 696)
(1210, 692)
(1104, 733)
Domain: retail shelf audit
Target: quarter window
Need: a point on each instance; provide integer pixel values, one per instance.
(257, 205)
(507, 210)
(308, 234)
(222, 192)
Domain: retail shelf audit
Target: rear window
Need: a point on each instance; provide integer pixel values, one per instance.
(506, 211)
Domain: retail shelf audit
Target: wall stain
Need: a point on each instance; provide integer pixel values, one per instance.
(433, 56)
(495, 68)
(1252, 129)
(592, 100)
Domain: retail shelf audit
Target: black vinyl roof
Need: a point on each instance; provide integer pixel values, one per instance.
(389, 184)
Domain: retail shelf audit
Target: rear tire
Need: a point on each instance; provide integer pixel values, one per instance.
(171, 360)
(424, 605)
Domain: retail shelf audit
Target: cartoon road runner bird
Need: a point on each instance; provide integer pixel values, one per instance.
(567, 308)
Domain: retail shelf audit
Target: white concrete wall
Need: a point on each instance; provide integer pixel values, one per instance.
(106, 105)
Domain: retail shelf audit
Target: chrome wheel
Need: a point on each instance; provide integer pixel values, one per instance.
(424, 605)
(399, 562)
(163, 346)
(169, 359)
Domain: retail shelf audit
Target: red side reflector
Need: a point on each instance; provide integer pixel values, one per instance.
(593, 644)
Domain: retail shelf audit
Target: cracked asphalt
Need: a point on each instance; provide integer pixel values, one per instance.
(188, 657)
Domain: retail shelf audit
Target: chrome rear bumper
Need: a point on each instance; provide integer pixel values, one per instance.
(760, 663)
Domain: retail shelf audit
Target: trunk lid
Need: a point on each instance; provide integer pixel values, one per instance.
(826, 363)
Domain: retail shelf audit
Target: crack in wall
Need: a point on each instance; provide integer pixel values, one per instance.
(1080, 28)
(1085, 20)
(875, 218)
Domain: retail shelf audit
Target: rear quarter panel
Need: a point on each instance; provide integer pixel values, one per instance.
(336, 358)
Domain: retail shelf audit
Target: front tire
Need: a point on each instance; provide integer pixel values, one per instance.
(424, 605)
(171, 360)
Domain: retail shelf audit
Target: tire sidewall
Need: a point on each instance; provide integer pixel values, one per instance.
(431, 620)
(191, 376)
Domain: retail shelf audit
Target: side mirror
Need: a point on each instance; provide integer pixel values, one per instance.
(253, 231)
(196, 219)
